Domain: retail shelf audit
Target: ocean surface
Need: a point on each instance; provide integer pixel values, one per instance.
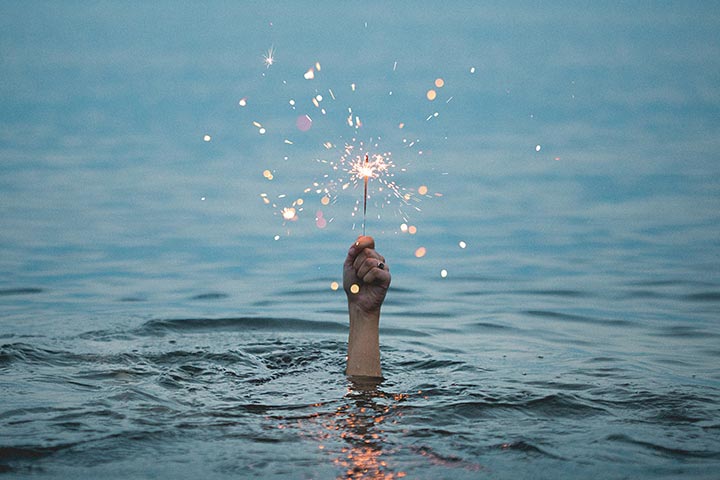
(159, 318)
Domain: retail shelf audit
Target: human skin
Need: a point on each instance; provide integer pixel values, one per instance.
(362, 268)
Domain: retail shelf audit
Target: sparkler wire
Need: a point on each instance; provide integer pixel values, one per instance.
(365, 194)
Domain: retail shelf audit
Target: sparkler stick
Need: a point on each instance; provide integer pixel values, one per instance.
(365, 194)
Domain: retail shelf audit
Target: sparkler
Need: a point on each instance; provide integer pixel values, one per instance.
(366, 170)
(345, 166)
(365, 194)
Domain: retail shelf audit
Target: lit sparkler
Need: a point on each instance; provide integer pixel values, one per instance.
(346, 165)
(366, 170)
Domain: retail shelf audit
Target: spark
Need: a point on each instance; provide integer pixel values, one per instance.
(289, 213)
(269, 57)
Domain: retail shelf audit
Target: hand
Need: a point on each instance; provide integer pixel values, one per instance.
(365, 268)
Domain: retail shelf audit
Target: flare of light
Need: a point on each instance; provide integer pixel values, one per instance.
(269, 57)
(289, 213)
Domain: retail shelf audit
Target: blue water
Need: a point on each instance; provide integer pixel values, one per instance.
(157, 319)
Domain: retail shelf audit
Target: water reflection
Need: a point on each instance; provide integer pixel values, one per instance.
(361, 424)
(353, 434)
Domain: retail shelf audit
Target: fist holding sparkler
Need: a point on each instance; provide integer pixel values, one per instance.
(366, 279)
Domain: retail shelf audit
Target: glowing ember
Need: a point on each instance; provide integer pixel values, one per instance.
(207, 138)
(354, 288)
(422, 190)
(420, 252)
(243, 102)
(443, 273)
(334, 286)
(431, 95)
(310, 74)
(462, 244)
(439, 82)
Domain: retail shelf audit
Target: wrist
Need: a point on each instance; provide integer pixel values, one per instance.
(359, 313)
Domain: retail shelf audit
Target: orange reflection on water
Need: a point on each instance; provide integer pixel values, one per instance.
(360, 424)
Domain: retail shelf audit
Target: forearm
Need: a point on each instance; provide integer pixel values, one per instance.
(363, 343)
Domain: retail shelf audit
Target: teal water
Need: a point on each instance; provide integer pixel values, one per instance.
(158, 319)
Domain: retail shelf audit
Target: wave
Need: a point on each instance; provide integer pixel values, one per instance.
(20, 291)
(284, 324)
(579, 318)
(672, 452)
(552, 406)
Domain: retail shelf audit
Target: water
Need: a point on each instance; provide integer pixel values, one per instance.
(148, 332)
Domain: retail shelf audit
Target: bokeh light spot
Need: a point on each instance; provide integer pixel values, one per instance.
(303, 123)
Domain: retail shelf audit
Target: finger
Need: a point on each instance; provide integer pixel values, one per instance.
(370, 263)
(365, 242)
(367, 264)
(352, 254)
(362, 243)
(377, 277)
(365, 254)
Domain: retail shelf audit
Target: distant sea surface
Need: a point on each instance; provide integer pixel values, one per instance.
(159, 319)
